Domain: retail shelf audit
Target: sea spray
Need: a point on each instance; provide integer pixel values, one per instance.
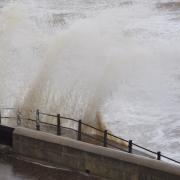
(76, 58)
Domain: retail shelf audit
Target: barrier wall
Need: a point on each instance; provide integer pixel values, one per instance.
(6, 135)
(108, 163)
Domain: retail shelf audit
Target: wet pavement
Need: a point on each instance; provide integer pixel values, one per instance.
(16, 169)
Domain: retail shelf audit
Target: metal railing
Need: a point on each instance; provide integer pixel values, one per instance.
(106, 142)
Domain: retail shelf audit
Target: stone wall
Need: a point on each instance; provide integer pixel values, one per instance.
(100, 161)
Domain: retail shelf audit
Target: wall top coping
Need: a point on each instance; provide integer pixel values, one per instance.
(99, 150)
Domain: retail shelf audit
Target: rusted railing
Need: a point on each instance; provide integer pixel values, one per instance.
(79, 131)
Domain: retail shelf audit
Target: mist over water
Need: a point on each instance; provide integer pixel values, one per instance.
(78, 57)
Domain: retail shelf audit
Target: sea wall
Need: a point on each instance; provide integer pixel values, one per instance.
(100, 161)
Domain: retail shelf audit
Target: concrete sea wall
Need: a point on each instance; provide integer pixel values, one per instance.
(108, 163)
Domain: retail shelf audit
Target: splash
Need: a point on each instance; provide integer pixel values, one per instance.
(79, 58)
(56, 72)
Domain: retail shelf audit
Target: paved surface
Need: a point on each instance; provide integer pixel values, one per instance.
(12, 168)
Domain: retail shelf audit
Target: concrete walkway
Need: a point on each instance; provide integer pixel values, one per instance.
(14, 169)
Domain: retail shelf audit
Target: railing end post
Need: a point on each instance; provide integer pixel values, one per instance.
(37, 112)
(18, 118)
(58, 124)
(0, 117)
(130, 144)
(158, 155)
(37, 120)
(105, 138)
(38, 127)
(79, 130)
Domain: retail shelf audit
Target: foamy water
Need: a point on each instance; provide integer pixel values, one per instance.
(78, 57)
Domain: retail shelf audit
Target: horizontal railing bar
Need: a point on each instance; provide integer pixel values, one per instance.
(170, 159)
(117, 137)
(69, 128)
(112, 145)
(8, 108)
(144, 148)
(90, 136)
(62, 117)
(48, 123)
(29, 119)
(97, 139)
(6, 117)
(47, 114)
(92, 127)
(83, 134)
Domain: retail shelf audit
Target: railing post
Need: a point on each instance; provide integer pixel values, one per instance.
(79, 130)
(0, 117)
(58, 124)
(158, 155)
(37, 120)
(18, 118)
(105, 138)
(130, 144)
